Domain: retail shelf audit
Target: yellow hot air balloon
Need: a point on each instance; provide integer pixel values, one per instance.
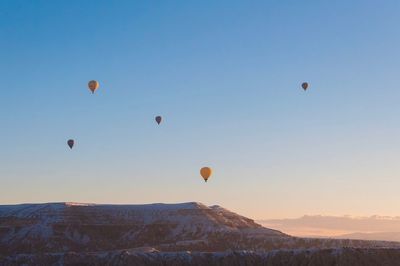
(206, 172)
(93, 85)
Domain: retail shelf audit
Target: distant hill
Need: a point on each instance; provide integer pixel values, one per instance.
(366, 228)
(384, 236)
(74, 230)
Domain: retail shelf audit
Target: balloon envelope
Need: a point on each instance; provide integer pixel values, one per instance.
(93, 85)
(71, 143)
(206, 172)
(304, 85)
(158, 119)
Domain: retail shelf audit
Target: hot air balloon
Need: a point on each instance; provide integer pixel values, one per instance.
(93, 85)
(206, 172)
(304, 85)
(71, 143)
(158, 119)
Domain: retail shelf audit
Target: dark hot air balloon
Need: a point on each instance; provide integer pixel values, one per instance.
(158, 119)
(93, 85)
(71, 143)
(304, 85)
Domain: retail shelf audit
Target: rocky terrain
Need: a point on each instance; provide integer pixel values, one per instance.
(161, 234)
(310, 257)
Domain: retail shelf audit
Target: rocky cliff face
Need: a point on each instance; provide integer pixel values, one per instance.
(70, 231)
(60, 227)
(313, 257)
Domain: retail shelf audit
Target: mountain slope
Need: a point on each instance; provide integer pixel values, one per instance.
(73, 227)
(55, 227)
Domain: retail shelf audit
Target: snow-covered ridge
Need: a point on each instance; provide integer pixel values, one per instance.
(189, 217)
(68, 204)
(66, 226)
(72, 226)
(60, 208)
(28, 208)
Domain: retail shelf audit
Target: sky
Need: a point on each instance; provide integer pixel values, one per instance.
(225, 75)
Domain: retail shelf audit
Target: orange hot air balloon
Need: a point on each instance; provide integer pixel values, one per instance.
(93, 85)
(206, 172)
(304, 85)
(158, 119)
(71, 143)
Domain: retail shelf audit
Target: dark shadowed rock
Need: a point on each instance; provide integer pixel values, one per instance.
(313, 257)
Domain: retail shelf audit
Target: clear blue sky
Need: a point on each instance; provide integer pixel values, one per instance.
(226, 76)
